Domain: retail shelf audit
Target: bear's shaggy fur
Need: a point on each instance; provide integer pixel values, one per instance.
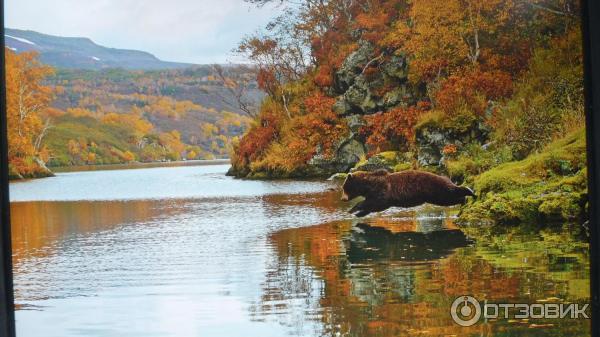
(383, 190)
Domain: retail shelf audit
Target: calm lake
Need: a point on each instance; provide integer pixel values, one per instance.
(186, 251)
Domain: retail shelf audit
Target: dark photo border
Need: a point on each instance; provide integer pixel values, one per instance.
(591, 47)
(591, 42)
(7, 312)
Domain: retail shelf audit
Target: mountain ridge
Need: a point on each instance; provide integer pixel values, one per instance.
(83, 52)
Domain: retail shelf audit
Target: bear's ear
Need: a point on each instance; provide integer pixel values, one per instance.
(349, 176)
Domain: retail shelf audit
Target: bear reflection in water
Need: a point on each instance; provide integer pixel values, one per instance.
(371, 243)
(419, 235)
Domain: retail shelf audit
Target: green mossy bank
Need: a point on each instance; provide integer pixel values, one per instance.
(548, 187)
(545, 188)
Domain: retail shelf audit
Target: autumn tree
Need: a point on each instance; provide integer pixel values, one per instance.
(27, 99)
(442, 36)
(136, 126)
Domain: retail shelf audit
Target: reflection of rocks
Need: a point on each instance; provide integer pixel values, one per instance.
(369, 243)
(370, 286)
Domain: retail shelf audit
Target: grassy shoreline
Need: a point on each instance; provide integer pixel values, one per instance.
(132, 165)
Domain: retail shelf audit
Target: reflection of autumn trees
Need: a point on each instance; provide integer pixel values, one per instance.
(372, 281)
(329, 201)
(37, 225)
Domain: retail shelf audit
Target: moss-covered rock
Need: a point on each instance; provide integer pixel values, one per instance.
(435, 131)
(338, 177)
(548, 187)
(568, 152)
(392, 161)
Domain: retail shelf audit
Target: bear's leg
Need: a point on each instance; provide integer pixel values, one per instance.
(449, 202)
(368, 206)
(362, 213)
(357, 207)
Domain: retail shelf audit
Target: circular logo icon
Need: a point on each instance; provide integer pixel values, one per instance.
(465, 310)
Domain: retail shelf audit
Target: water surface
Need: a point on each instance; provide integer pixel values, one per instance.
(187, 251)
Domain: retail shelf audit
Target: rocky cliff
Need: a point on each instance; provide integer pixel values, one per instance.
(368, 83)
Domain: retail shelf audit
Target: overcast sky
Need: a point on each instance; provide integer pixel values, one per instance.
(195, 31)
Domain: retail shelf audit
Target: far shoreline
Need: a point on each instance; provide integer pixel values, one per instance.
(139, 165)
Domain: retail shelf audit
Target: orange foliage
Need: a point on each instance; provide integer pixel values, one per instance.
(449, 149)
(393, 129)
(473, 89)
(171, 141)
(128, 156)
(256, 140)
(279, 144)
(323, 76)
(318, 127)
(376, 21)
(266, 80)
(445, 35)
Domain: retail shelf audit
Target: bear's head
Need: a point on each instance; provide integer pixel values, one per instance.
(361, 184)
(458, 197)
(467, 192)
(350, 188)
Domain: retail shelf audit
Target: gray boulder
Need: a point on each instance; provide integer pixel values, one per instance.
(353, 66)
(432, 138)
(348, 153)
(358, 94)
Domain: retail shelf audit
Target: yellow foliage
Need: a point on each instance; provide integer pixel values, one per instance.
(91, 158)
(27, 99)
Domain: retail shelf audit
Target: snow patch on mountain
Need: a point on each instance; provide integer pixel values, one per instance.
(20, 39)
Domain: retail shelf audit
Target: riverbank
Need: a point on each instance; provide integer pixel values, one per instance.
(547, 187)
(133, 165)
(136, 165)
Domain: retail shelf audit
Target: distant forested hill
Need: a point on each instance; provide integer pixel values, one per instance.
(81, 52)
(99, 105)
(180, 113)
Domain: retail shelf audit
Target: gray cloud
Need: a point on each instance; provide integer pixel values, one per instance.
(196, 31)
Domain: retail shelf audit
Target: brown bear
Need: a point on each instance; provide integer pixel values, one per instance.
(383, 190)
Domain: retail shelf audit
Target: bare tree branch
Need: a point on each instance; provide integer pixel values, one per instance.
(551, 10)
(238, 92)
